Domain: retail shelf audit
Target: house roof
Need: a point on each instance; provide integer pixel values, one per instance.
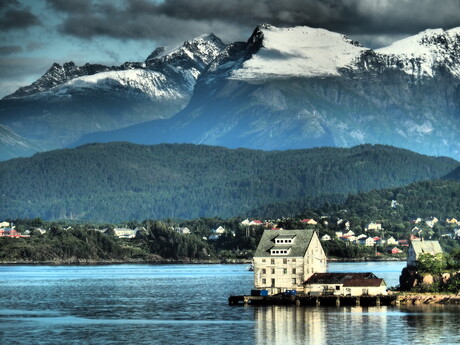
(285, 237)
(338, 278)
(426, 247)
(298, 246)
(374, 282)
(281, 247)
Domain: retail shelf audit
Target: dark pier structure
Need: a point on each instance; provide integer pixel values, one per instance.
(300, 300)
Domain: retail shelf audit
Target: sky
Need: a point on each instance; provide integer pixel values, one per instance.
(36, 33)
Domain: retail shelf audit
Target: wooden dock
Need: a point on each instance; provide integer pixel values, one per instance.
(337, 301)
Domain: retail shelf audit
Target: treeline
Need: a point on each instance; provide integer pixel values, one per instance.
(157, 241)
(121, 181)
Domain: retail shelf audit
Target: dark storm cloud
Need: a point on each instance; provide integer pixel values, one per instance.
(13, 18)
(71, 7)
(141, 19)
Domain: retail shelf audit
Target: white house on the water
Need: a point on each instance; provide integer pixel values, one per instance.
(284, 259)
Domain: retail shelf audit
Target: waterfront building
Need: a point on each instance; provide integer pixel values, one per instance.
(285, 259)
(345, 284)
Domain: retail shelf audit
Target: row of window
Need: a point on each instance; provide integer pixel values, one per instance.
(285, 271)
(285, 261)
(284, 241)
(264, 281)
(279, 252)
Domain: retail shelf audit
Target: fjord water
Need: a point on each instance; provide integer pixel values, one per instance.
(187, 304)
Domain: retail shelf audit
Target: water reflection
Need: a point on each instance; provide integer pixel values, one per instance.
(432, 324)
(356, 325)
(289, 325)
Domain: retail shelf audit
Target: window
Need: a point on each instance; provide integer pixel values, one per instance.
(273, 261)
(263, 260)
(273, 271)
(285, 261)
(293, 281)
(264, 271)
(337, 287)
(294, 271)
(264, 281)
(293, 260)
(284, 270)
(273, 282)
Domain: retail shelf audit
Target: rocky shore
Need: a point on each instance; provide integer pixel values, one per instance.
(418, 298)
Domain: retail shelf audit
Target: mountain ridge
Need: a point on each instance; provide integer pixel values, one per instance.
(374, 100)
(69, 101)
(284, 88)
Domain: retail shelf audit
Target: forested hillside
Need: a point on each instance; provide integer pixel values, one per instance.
(439, 198)
(121, 181)
(454, 175)
(395, 206)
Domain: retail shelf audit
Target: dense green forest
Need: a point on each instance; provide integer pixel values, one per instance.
(121, 181)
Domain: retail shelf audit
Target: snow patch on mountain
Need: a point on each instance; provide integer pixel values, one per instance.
(299, 51)
(422, 53)
(149, 82)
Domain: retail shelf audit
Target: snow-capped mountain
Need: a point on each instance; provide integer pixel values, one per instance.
(298, 52)
(424, 54)
(284, 88)
(69, 101)
(301, 87)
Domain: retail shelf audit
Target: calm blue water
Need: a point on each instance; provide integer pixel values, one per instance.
(187, 304)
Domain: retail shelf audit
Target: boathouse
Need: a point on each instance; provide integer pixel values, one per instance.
(345, 284)
(285, 259)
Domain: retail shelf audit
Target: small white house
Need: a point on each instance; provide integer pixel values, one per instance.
(374, 226)
(368, 242)
(325, 237)
(183, 230)
(4, 224)
(391, 241)
(430, 222)
(349, 233)
(220, 230)
(245, 222)
(417, 248)
(124, 233)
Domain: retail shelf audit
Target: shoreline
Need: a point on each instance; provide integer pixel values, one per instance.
(161, 261)
(408, 298)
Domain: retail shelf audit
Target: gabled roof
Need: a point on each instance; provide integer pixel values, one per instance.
(298, 246)
(338, 278)
(426, 247)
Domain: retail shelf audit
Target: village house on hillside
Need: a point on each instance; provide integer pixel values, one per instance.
(182, 230)
(309, 221)
(417, 248)
(284, 259)
(124, 233)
